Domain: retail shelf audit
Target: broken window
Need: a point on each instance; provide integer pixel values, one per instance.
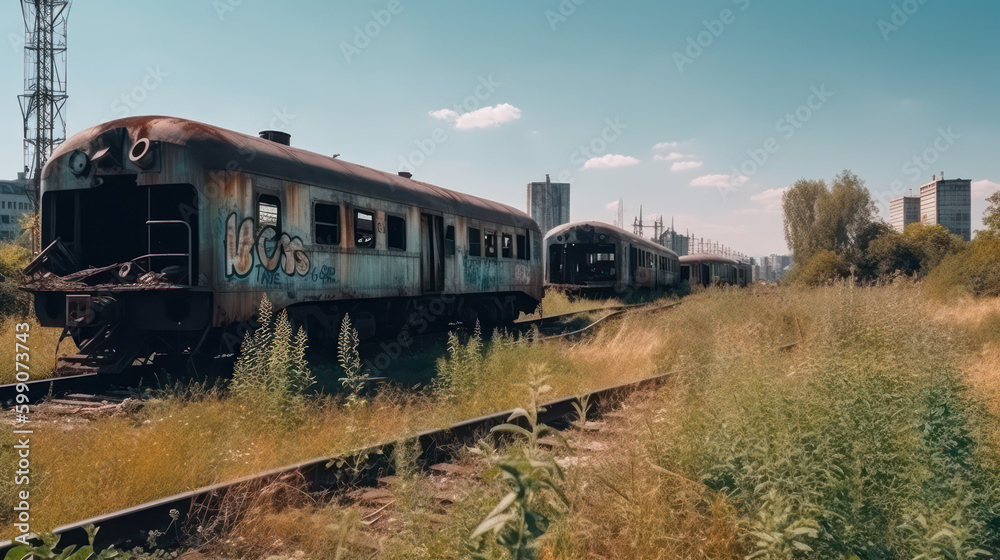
(395, 232)
(490, 240)
(326, 219)
(449, 241)
(507, 246)
(364, 229)
(268, 212)
(475, 244)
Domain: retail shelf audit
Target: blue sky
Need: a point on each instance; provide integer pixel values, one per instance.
(697, 110)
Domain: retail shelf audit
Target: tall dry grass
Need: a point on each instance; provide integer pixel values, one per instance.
(872, 436)
(174, 445)
(42, 343)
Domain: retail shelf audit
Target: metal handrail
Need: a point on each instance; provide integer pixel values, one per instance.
(149, 247)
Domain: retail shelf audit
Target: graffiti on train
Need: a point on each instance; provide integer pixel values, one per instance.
(273, 251)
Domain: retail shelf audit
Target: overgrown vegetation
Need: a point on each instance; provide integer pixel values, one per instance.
(16, 307)
(271, 371)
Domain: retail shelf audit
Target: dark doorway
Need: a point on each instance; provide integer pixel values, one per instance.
(432, 253)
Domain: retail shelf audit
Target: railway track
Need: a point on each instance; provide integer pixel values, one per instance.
(359, 470)
(93, 386)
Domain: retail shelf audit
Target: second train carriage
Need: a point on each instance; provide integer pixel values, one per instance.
(595, 256)
(706, 269)
(163, 234)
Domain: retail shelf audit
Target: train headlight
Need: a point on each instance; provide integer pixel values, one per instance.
(78, 163)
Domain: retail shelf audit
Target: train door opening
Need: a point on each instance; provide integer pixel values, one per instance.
(432, 253)
(706, 275)
(556, 265)
(685, 272)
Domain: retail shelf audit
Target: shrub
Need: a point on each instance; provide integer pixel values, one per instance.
(973, 271)
(13, 259)
(350, 361)
(823, 267)
(272, 367)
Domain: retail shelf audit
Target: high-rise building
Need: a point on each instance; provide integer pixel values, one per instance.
(675, 242)
(14, 201)
(903, 211)
(948, 202)
(548, 204)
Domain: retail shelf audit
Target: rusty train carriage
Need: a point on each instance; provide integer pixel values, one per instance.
(595, 256)
(163, 234)
(706, 269)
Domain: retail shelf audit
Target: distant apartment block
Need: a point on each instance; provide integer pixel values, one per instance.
(14, 201)
(548, 204)
(903, 211)
(947, 202)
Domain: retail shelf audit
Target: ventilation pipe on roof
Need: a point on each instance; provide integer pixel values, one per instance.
(405, 174)
(277, 136)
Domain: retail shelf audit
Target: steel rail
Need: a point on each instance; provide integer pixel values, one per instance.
(131, 527)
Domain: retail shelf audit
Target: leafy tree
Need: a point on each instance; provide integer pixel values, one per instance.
(838, 218)
(991, 217)
(803, 224)
(916, 251)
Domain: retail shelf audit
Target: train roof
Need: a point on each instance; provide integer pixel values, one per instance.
(709, 257)
(616, 231)
(219, 148)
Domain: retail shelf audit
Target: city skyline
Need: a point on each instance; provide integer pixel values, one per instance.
(699, 112)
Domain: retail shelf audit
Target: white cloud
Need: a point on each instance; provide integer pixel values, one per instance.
(613, 205)
(769, 201)
(671, 157)
(609, 161)
(488, 117)
(665, 146)
(444, 114)
(718, 181)
(984, 188)
(683, 165)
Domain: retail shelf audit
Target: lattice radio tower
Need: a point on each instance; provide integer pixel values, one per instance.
(44, 95)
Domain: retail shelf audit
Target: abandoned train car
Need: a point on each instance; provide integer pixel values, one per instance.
(163, 234)
(599, 257)
(707, 269)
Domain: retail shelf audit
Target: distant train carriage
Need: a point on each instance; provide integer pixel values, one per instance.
(163, 235)
(706, 269)
(594, 256)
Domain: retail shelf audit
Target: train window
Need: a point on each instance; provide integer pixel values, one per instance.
(326, 218)
(395, 232)
(475, 243)
(507, 246)
(268, 212)
(490, 240)
(522, 247)
(449, 240)
(364, 229)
